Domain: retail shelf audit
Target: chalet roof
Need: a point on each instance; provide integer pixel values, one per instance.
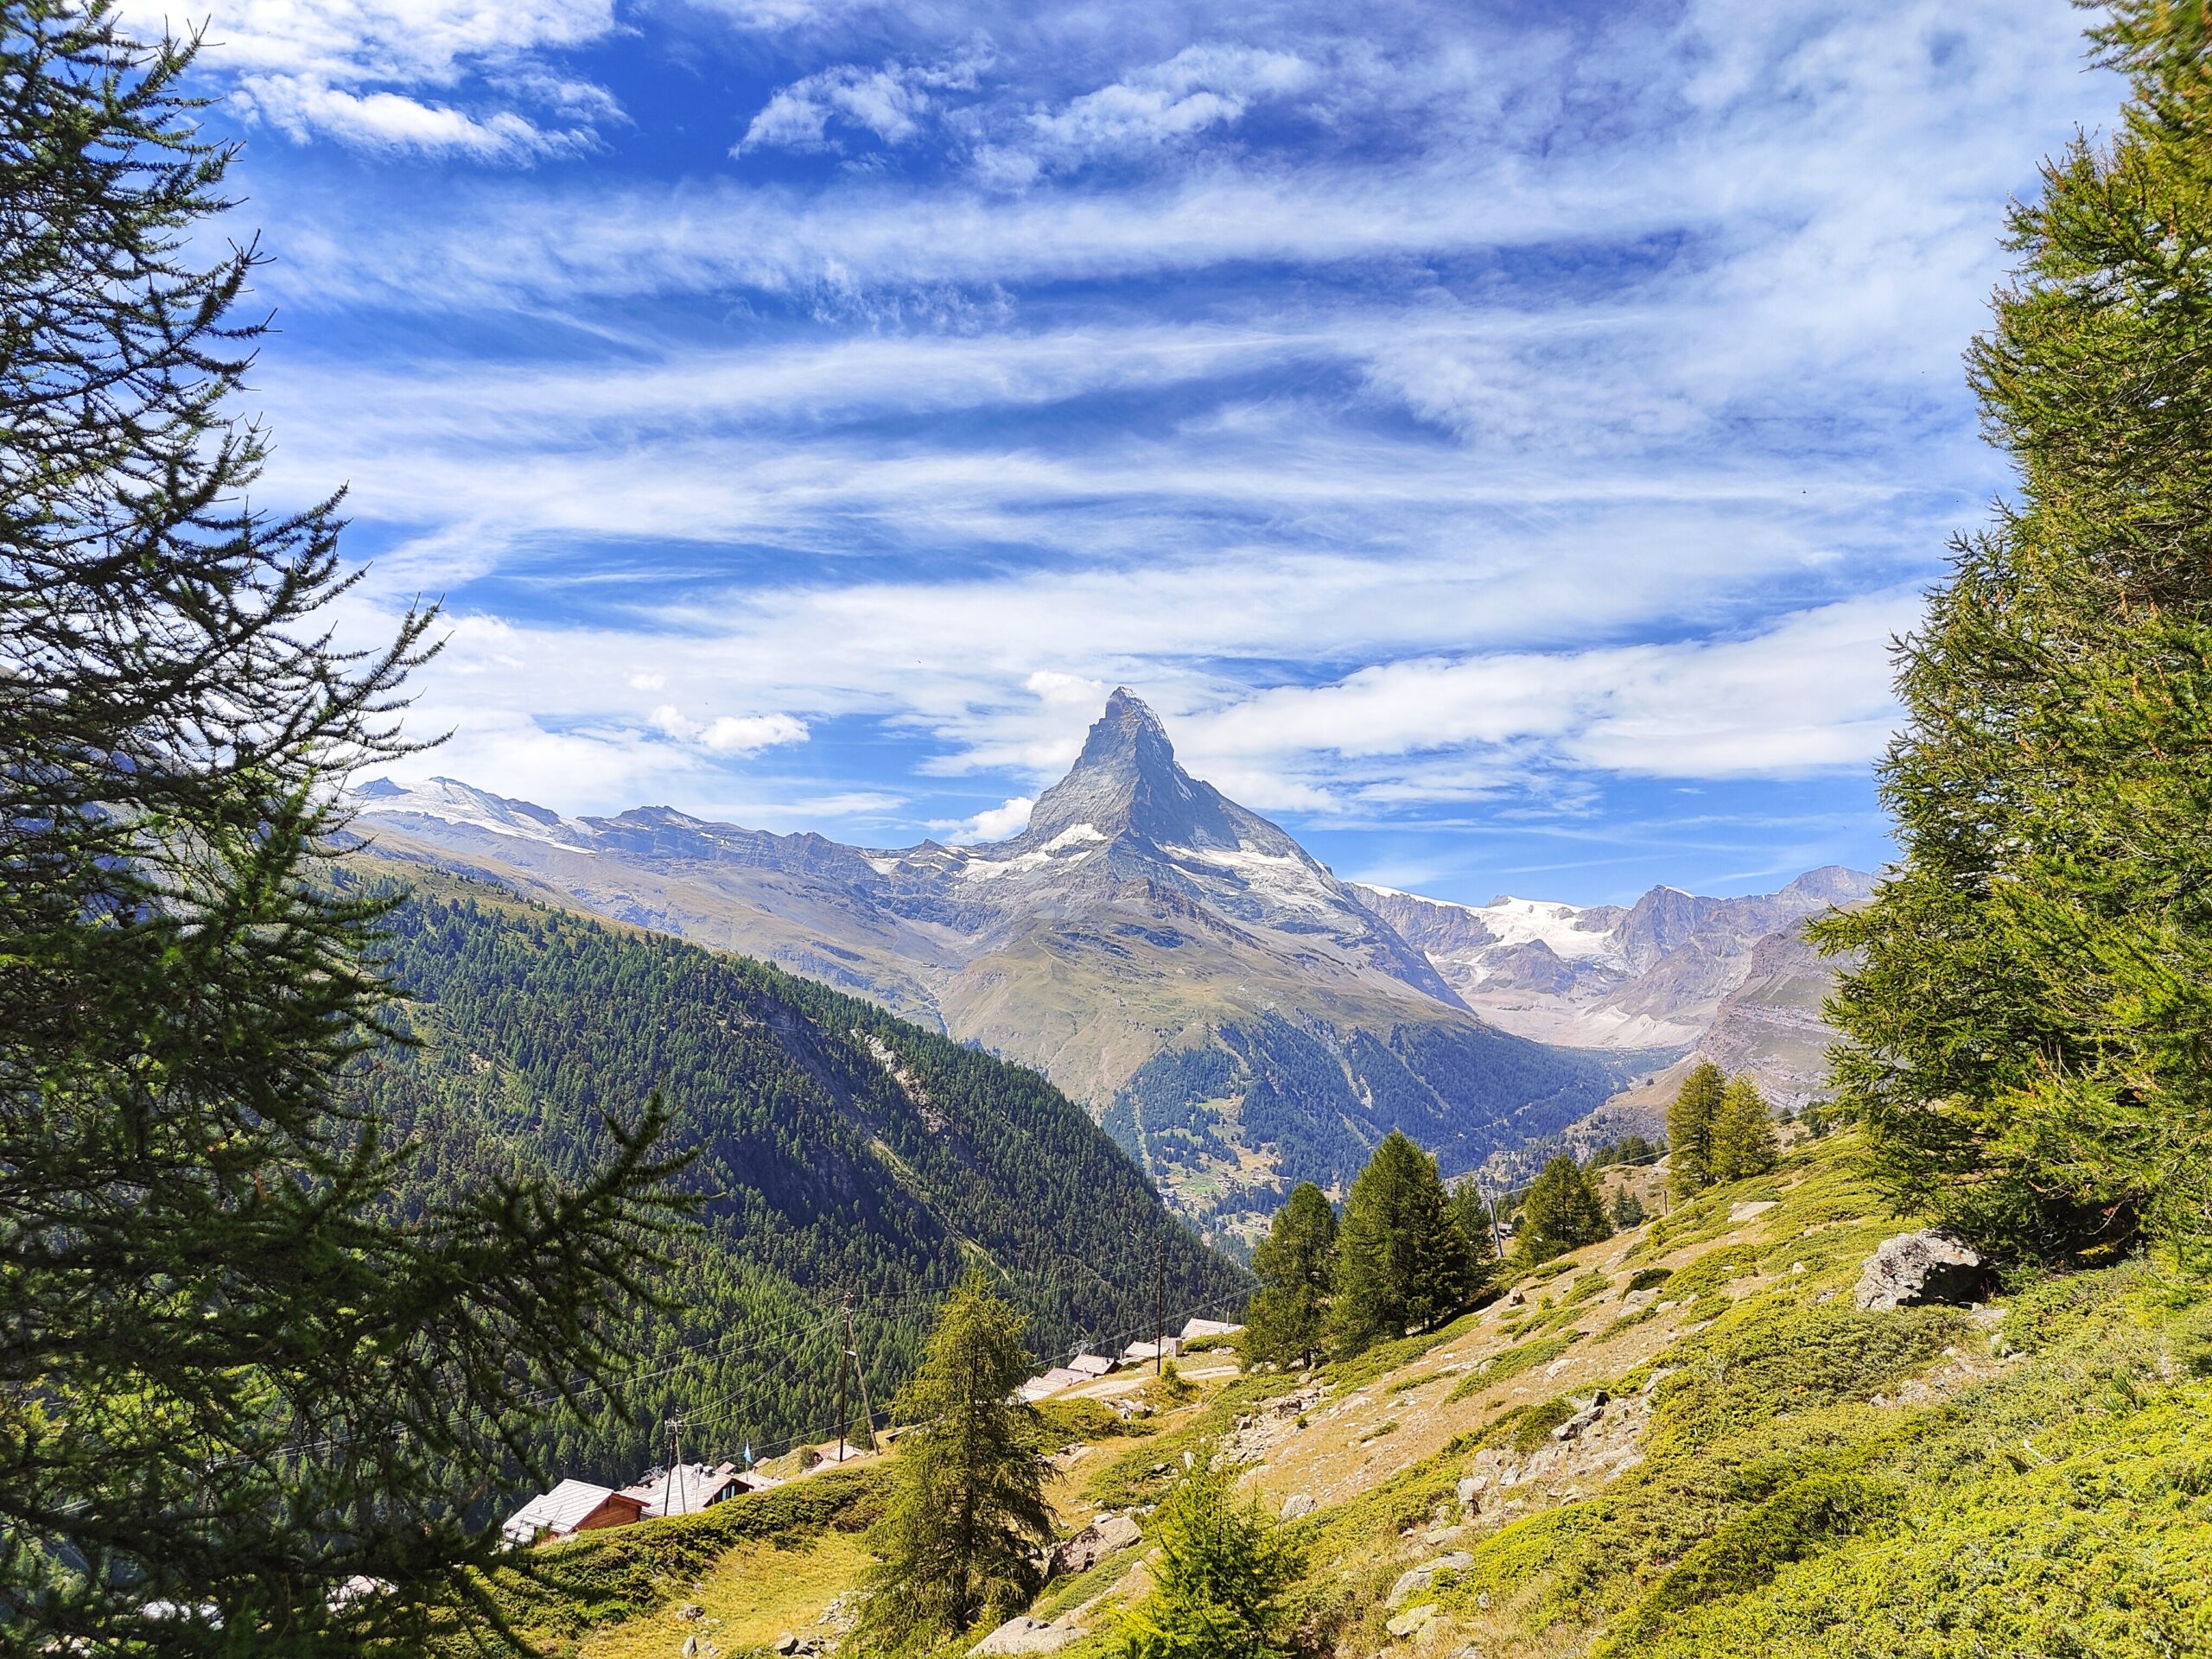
(1060, 1376)
(1196, 1328)
(686, 1489)
(560, 1510)
(1137, 1352)
(1092, 1364)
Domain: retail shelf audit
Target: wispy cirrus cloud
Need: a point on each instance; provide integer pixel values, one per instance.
(302, 107)
(891, 101)
(1463, 422)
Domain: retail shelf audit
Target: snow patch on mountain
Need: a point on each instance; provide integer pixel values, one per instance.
(448, 800)
(1560, 928)
(1288, 879)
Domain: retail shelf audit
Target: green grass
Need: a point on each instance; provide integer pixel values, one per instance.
(2056, 1502)
(1511, 1362)
(1128, 1480)
(1086, 1421)
(2062, 1507)
(754, 1594)
(1387, 1356)
(558, 1596)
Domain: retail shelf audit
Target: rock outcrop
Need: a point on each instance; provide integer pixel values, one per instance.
(1415, 1580)
(1022, 1634)
(1093, 1544)
(1916, 1268)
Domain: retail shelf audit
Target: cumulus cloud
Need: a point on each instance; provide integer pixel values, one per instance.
(993, 824)
(891, 101)
(732, 734)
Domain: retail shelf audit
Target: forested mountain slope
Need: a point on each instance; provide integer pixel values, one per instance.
(838, 1150)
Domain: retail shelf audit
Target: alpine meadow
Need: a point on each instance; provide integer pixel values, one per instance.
(774, 781)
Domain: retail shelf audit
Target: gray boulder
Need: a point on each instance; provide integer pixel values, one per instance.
(1093, 1544)
(1588, 1417)
(1915, 1269)
(1416, 1578)
(1023, 1634)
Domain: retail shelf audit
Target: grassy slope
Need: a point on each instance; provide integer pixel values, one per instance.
(1803, 1479)
(615, 1589)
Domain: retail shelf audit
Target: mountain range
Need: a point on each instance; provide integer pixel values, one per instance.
(1238, 1017)
(1730, 979)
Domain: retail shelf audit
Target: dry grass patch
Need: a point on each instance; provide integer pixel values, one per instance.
(752, 1596)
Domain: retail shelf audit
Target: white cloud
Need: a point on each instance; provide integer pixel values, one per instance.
(1564, 412)
(1809, 692)
(413, 41)
(300, 106)
(749, 734)
(1805, 694)
(891, 101)
(380, 75)
(734, 734)
(993, 824)
(1201, 87)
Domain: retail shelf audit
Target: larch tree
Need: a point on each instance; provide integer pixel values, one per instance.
(1689, 1127)
(1220, 1577)
(1744, 1142)
(1402, 1260)
(966, 1518)
(1472, 1214)
(1561, 1212)
(234, 1372)
(1628, 1210)
(2027, 1038)
(1295, 1263)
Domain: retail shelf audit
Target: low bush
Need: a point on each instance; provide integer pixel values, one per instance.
(1510, 1364)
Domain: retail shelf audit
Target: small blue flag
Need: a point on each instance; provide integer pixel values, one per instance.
(748, 1452)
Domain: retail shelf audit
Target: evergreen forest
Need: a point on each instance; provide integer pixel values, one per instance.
(835, 1151)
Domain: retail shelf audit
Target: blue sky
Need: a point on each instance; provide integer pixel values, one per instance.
(1501, 439)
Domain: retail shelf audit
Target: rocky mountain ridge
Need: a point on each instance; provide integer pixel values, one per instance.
(1650, 974)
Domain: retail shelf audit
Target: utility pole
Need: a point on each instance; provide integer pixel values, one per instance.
(675, 1462)
(844, 1371)
(853, 1354)
(1159, 1305)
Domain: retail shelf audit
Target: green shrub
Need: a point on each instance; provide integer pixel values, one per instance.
(1510, 1364)
(1711, 1272)
(1770, 1358)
